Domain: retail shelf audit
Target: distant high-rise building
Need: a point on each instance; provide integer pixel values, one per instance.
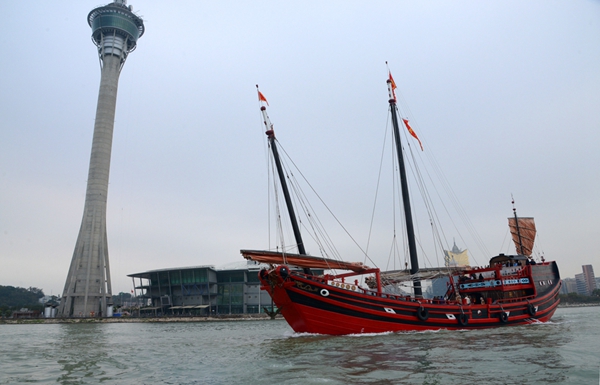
(87, 292)
(456, 257)
(569, 285)
(581, 286)
(589, 278)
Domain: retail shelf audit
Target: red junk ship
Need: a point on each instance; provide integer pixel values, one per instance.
(351, 298)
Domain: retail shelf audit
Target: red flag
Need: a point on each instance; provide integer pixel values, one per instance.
(393, 85)
(392, 80)
(410, 130)
(261, 98)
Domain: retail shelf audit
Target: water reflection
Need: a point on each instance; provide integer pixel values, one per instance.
(495, 356)
(82, 352)
(268, 352)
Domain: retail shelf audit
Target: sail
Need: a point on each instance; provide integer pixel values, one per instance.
(523, 234)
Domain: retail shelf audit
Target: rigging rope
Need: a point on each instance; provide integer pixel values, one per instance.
(313, 223)
(446, 187)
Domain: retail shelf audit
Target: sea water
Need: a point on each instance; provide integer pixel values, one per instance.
(563, 351)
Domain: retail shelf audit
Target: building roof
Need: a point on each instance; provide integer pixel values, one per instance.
(237, 265)
(171, 269)
(242, 265)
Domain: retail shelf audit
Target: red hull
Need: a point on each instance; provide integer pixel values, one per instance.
(312, 305)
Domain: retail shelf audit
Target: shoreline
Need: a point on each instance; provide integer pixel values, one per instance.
(48, 321)
(180, 319)
(578, 304)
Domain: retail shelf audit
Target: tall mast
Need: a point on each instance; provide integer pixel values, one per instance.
(286, 193)
(520, 251)
(410, 231)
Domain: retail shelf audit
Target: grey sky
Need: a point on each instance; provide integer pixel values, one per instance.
(506, 94)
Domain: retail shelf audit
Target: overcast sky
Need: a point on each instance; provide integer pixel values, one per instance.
(505, 94)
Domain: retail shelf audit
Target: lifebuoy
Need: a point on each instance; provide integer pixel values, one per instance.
(503, 317)
(531, 310)
(463, 319)
(423, 314)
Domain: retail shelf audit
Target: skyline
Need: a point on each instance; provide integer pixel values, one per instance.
(505, 110)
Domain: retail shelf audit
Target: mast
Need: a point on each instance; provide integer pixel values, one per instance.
(520, 251)
(410, 232)
(286, 193)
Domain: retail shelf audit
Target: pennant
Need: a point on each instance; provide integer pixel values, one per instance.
(261, 98)
(393, 85)
(409, 128)
(392, 80)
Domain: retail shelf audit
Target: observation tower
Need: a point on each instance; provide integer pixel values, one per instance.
(87, 292)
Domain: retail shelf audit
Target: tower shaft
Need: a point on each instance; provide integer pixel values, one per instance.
(88, 288)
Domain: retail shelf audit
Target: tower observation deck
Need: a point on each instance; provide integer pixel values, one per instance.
(87, 293)
(115, 29)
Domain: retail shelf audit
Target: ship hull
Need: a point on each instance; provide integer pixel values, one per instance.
(313, 305)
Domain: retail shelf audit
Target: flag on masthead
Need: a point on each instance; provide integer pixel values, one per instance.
(393, 84)
(261, 97)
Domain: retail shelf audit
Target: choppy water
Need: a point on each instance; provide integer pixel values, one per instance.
(564, 351)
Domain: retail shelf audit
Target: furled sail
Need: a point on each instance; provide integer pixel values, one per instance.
(299, 260)
(523, 234)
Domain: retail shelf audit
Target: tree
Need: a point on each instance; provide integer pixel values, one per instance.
(38, 292)
(121, 298)
(17, 297)
(574, 298)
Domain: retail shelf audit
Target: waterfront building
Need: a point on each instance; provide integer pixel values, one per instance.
(87, 291)
(203, 290)
(439, 287)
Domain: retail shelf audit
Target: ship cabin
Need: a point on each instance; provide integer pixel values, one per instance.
(509, 260)
(506, 279)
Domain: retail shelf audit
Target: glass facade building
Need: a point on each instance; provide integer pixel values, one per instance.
(203, 290)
